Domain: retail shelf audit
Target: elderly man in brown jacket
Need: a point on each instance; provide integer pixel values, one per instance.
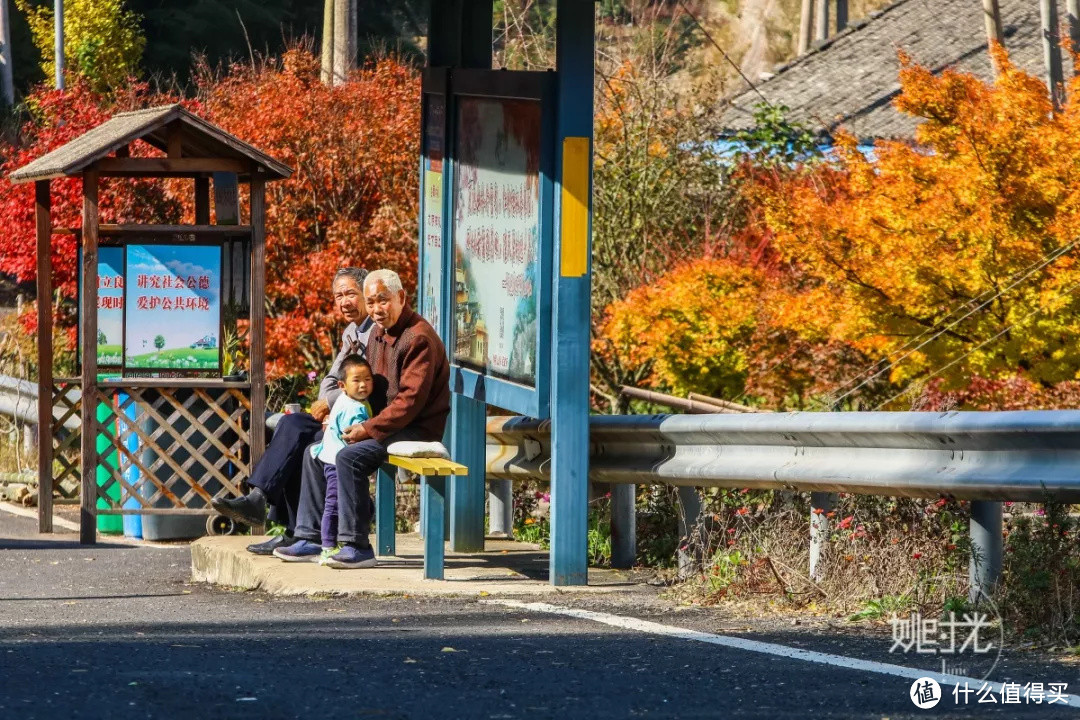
(411, 402)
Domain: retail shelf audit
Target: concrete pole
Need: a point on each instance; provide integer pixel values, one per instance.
(821, 20)
(986, 548)
(344, 40)
(1073, 10)
(820, 504)
(806, 25)
(623, 526)
(689, 517)
(327, 57)
(501, 508)
(58, 42)
(1055, 78)
(841, 14)
(7, 85)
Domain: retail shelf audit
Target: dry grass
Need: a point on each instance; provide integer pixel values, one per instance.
(884, 556)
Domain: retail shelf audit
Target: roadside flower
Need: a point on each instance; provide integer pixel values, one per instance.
(312, 375)
(743, 511)
(916, 555)
(846, 522)
(530, 521)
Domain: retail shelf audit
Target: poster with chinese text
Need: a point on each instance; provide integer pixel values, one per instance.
(110, 303)
(497, 236)
(173, 307)
(432, 210)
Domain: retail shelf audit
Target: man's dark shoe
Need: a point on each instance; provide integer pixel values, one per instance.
(268, 547)
(249, 509)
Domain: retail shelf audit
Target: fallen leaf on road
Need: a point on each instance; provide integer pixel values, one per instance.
(448, 649)
(410, 661)
(484, 593)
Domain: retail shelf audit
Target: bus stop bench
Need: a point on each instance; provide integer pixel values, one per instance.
(433, 473)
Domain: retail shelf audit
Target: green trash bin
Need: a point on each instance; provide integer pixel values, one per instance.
(108, 524)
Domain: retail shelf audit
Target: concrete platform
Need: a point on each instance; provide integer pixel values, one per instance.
(504, 568)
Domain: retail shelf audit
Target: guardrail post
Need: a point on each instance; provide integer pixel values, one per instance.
(501, 508)
(986, 548)
(689, 515)
(821, 503)
(623, 526)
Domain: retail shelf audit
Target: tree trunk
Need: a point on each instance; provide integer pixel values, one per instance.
(327, 74)
(994, 32)
(7, 87)
(806, 25)
(1055, 79)
(1073, 9)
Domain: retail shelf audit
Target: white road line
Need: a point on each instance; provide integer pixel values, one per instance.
(737, 643)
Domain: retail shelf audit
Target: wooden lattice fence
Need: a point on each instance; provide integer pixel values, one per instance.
(164, 450)
(66, 436)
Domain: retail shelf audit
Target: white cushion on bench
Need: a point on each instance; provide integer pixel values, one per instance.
(417, 449)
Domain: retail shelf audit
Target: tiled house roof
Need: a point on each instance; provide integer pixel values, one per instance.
(850, 80)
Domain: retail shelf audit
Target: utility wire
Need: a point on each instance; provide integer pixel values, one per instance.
(1035, 267)
(981, 345)
(727, 57)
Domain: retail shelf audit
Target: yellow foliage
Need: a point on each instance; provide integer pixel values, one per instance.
(102, 39)
(692, 326)
(955, 255)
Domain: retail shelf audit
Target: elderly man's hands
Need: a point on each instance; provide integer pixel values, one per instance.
(319, 410)
(354, 434)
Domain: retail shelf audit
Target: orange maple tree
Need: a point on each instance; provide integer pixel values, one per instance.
(951, 258)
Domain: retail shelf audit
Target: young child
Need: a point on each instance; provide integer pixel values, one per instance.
(349, 409)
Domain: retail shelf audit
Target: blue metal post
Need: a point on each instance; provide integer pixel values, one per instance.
(467, 492)
(385, 510)
(575, 21)
(434, 489)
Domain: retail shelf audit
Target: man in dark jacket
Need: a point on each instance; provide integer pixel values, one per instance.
(276, 477)
(411, 402)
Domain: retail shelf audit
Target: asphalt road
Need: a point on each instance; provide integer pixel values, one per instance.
(116, 631)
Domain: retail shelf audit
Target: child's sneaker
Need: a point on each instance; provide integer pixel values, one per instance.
(299, 551)
(350, 557)
(327, 552)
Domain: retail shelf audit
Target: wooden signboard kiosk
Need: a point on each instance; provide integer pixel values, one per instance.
(152, 393)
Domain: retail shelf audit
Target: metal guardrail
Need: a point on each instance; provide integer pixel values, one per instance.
(1017, 455)
(979, 456)
(18, 400)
